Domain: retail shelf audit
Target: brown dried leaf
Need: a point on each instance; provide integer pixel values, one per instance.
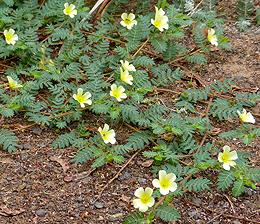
(147, 163)
(4, 211)
(64, 164)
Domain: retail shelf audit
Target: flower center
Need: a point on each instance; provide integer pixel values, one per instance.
(9, 36)
(117, 93)
(128, 21)
(225, 157)
(157, 23)
(81, 98)
(68, 10)
(164, 183)
(105, 135)
(145, 198)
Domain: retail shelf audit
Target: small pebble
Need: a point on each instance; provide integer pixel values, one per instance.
(99, 205)
(125, 176)
(41, 212)
(80, 199)
(236, 222)
(27, 146)
(197, 201)
(37, 130)
(249, 191)
(194, 214)
(141, 181)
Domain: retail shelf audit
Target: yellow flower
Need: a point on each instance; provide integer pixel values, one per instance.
(161, 20)
(118, 92)
(125, 77)
(107, 135)
(165, 182)
(10, 36)
(246, 117)
(212, 38)
(127, 66)
(144, 199)
(13, 84)
(128, 20)
(226, 157)
(82, 98)
(70, 10)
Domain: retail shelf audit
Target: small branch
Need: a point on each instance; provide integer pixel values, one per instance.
(159, 203)
(141, 47)
(98, 3)
(182, 57)
(231, 204)
(117, 175)
(194, 10)
(223, 214)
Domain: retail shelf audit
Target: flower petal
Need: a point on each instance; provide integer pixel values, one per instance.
(162, 174)
(136, 202)
(233, 155)
(164, 191)
(226, 166)
(171, 176)
(106, 127)
(173, 187)
(80, 91)
(149, 190)
(226, 148)
(138, 193)
(220, 155)
(156, 183)
(124, 16)
(131, 16)
(150, 203)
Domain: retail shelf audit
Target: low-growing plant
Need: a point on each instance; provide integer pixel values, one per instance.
(62, 70)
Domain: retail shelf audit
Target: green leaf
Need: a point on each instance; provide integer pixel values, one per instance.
(159, 45)
(238, 188)
(64, 140)
(225, 180)
(167, 213)
(8, 140)
(198, 184)
(135, 218)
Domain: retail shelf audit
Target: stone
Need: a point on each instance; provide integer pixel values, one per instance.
(37, 130)
(141, 181)
(236, 222)
(125, 176)
(194, 214)
(41, 212)
(98, 204)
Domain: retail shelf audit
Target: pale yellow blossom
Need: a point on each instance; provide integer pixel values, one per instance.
(166, 182)
(212, 37)
(227, 157)
(161, 20)
(128, 20)
(246, 117)
(144, 199)
(82, 98)
(127, 66)
(118, 92)
(10, 36)
(125, 77)
(70, 10)
(12, 83)
(107, 135)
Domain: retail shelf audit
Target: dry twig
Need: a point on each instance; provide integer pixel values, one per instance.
(224, 214)
(117, 175)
